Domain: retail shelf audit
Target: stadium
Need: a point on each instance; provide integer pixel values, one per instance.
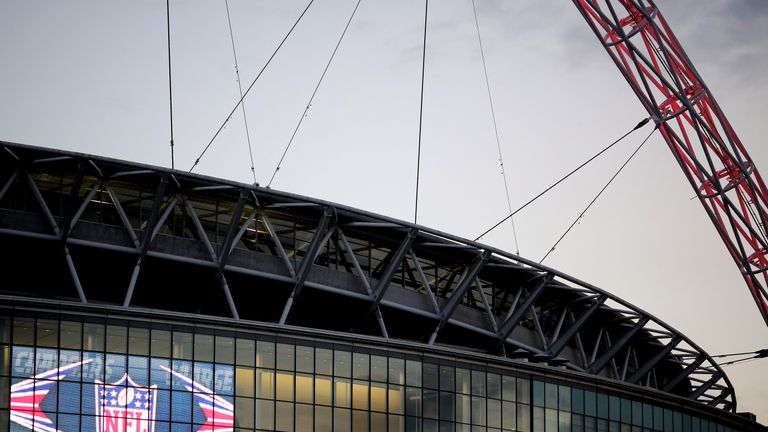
(142, 299)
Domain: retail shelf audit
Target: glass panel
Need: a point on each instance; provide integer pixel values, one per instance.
(550, 395)
(463, 381)
(413, 373)
(70, 334)
(265, 414)
(245, 352)
(564, 398)
(182, 345)
(396, 371)
(396, 423)
(342, 364)
(342, 420)
(538, 419)
(590, 404)
(463, 408)
(284, 414)
(565, 421)
(614, 408)
(304, 390)
(323, 361)
(245, 382)
(508, 415)
(323, 419)
(552, 421)
(23, 331)
(117, 339)
(637, 413)
(447, 378)
(138, 341)
(508, 388)
(204, 347)
(284, 386)
(429, 404)
(430, 375)
(494, 413)
(494, 386)
(396, 399)
(160, 343)
(286, 356)
(523, 416)
(265, 383)
(378, 368)
(378, 397)
(244, 412)
(523, 391)
(360, 366)
(304, 417)
(265, 354)
(413, 401)
(305, 359)
(478, 410)
(538, 393)
(602, 405)
(378, 422)
(47, 333)
(478, 383)
(93, 337)
(323, 390)
(342, 392)
(359, 421)
(360, 395)
(225, 349)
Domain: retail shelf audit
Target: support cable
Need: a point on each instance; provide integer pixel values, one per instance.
(763, 353)
(240, 89)
(509, 216)
(170, 86)
(495, 127)
(314, 92)
(421, 110)
(237, 105)
(581, 215)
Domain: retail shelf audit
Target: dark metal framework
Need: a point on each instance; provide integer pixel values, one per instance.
(718, 167)
(82, 229)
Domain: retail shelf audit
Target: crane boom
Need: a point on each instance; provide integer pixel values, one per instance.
(713, 159)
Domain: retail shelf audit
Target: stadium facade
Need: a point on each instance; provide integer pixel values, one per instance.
(139, 299)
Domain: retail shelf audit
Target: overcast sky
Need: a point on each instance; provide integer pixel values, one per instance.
(91, 76)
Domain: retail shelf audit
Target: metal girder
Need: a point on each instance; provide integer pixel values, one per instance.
(395, 257)
(306, 262)
(651, 362)
(706, 385)
(671, 384)
(149, 234)
(696, 130)
(514, 319)
(614, 349)
(459, 292)
(558, 345)
(8, 184)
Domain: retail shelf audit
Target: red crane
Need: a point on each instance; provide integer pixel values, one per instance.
(713, 159)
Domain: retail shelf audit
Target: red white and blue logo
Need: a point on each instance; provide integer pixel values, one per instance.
(71, 398)
(124, 406)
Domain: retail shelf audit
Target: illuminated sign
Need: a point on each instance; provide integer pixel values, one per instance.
(69, 391)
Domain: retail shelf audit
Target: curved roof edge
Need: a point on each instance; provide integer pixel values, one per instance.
(372, 274)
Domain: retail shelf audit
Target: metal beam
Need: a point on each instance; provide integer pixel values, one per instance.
(684, 374)
(461, 289)
(306, 263)
(514, 318)
(705, 386)
(651, 362)
(558, 345)
(614, 349)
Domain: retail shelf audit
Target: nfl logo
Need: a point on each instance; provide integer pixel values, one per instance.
(124, 406)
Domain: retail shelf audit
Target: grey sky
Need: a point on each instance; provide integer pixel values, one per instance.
(91, 76)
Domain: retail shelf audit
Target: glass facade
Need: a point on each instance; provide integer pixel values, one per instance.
(69, 375)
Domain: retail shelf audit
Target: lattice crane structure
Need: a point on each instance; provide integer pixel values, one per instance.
(705, 145)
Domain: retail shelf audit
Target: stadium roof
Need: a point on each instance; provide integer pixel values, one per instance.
(85, 229)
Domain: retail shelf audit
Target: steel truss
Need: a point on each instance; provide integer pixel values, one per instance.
(322, 265)
(718, 167)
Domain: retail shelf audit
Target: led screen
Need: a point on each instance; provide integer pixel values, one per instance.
(59, 390)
